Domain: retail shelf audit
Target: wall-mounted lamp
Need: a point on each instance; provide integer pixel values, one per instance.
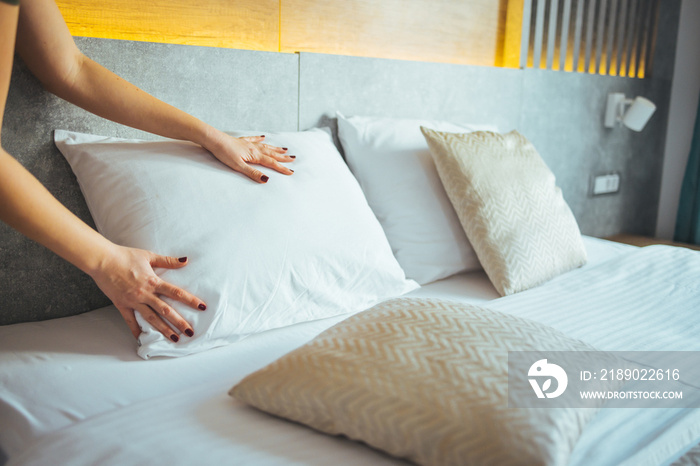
(635, 117)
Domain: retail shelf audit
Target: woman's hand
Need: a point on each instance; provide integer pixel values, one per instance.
(126, 276)
(48, 49)
(240, 153)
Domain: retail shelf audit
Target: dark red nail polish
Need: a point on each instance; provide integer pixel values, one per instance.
(265, 178)
(284, 148)
(202, 307)
(174, 338)
(293, 156)
(182, 259)
(291, 170)
(262, 136)
(189, 332)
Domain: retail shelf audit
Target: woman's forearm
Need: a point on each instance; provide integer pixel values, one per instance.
(28, 207)
(45, 44)
(24, 203)
(49, 51)
(103, 93)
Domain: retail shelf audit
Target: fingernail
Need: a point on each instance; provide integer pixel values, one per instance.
(262, 136)
(293, 156)
(284, 148)
(174, 338)
(182, 259)
(189, 332)
(264, 178)
(291, 170)
(202, 307)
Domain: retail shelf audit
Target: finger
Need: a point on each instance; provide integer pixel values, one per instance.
(253, 138)
(274, 150)
(283, 157)
(130, 319)
(178, 294)
(269, 162)
(168, 262)
(280, 156)
(252, 173)
(156, 322)
(171, 315)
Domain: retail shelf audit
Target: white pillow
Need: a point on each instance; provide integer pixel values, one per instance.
(298, 248)
(391, 160)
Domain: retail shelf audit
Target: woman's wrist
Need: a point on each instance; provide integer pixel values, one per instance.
(212, 139)
(95, 259)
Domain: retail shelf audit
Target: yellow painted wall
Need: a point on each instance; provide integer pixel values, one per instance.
(452, 31)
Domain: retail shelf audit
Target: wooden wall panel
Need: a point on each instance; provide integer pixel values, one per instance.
(450, 31)
(243, 24)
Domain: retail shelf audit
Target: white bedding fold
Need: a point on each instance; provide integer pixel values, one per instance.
(198, 426)
(646, 300)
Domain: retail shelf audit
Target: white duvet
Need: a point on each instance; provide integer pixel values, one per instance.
(72, 391)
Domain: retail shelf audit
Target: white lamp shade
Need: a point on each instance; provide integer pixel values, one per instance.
(639, 113)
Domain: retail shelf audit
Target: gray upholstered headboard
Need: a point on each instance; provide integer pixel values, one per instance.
(233, 89)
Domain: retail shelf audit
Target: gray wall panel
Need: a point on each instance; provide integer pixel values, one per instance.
(561, 113)
(231, 89)
(395, 88)
(563, 117)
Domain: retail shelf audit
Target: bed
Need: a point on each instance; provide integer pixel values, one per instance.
(73, 389)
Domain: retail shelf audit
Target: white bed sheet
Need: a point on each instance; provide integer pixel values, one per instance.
(75, 387)
(647, 300)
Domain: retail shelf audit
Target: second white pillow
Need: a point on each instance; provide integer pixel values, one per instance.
(392, 162)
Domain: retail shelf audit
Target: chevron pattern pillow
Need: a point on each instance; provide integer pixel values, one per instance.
(509, 206)
(425, 380)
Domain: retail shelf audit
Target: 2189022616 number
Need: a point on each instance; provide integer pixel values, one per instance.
(640, 374)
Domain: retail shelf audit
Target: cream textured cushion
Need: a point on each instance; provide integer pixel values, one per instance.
(510, 208)
(425, 380)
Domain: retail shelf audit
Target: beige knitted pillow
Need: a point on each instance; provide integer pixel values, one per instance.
(510, 208)
(425, 380)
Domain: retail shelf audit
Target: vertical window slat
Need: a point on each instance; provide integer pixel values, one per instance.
(621, 29)
(525, 36)
(629, 41)
(637, 27)
(552, 34)
(644, 24)
(564, 43)
(610, 48)
(539, 32)
(600, 33)
(577, 33)
(607, 37)
(590, 22)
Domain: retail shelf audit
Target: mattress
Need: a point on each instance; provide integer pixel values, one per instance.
(73, 390)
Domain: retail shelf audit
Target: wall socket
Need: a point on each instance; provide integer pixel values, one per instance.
(607, 183)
